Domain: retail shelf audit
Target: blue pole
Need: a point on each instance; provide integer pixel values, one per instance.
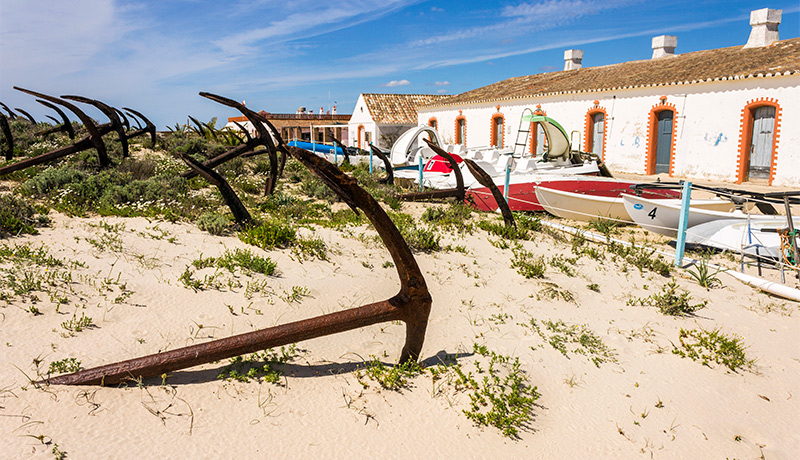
(683, 222)
(508, 180)
(370, 161)
(421, 165)
(336, 157)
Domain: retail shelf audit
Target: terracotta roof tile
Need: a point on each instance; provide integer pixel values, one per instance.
(780, 58)
(397, 108)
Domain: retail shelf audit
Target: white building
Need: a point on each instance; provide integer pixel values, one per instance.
(381, 118)
(715, 115)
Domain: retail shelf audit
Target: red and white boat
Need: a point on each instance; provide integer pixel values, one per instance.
(588, 195)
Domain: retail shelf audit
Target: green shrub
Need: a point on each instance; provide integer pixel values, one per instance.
(269, 234)
(455, 216)
(503, 231)
(16, 216)
(213, 223)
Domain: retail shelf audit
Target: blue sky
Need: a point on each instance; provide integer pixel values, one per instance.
(155, 56)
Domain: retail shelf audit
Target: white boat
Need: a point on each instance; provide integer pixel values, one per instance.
(755, 237)
(594, 203)
(662, 217)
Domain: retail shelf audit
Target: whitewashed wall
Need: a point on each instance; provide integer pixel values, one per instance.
(706, 135)
(361, 116)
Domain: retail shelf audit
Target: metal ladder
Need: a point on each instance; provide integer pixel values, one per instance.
(521, 145)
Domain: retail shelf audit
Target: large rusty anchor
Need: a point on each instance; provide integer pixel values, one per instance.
(411, 305)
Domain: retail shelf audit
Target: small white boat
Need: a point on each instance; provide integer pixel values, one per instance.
(755, 238)
(591, 204)
(662, 217)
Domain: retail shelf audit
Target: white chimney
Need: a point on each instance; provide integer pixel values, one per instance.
(664, 45)
(572, 59)
(765, 27)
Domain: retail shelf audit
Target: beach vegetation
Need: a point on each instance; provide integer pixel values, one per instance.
(703, 275)
(263, 366)
(418, 237)
(76, 323)
(641, 257)
(574, 338)
(713, 347)
(64, 365)
(213, 222)
(503, 231)
(394, 377)
(554, 292)
(605, 227)
(528, 264)
(456, 217)
(500, 394)
(18, 216)
(671, 300)
(565, 264)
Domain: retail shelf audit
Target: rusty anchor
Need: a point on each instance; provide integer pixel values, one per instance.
(6, 129)
(262, 138)
(65, 125)
(411, 304)
(93, 139)
(480, 175)
(389, 179)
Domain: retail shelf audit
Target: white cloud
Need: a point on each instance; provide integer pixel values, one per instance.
(299, 25)
(442, 83)
(394, 83)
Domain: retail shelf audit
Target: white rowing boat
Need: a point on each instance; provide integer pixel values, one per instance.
(591, 204)
(662, 217)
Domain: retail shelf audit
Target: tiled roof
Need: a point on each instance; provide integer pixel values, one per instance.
(780, 58)
(397, 108)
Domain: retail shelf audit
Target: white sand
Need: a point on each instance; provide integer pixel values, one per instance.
(650, 404)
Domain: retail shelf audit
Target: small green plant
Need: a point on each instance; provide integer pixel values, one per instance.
(527, 264)
(642, 258)
(296, 294)
(670, 301)
(574, 338)
(605, 227)
(593, 287)
(392, 378)
(77, 324)
(565, 264)
(503, 231)
(503, 397)
(552, 291)
(702, 273)
(64, 365)
(713, 346)
(261, 366)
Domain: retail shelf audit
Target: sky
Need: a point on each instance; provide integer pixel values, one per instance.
(277, 55)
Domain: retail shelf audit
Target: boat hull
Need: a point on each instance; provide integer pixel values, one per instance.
(523, 196)
(755, 238)
(662, 217)
(607, 203)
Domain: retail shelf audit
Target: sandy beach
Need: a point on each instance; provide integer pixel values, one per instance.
(624, 395)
